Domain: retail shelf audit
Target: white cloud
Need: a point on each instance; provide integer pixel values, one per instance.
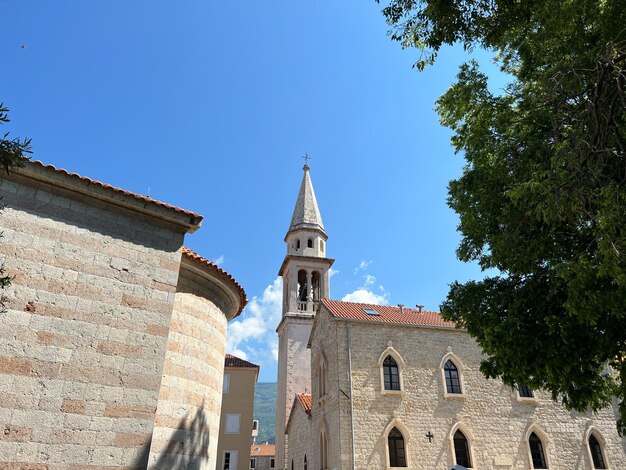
(333, 272)
(369, 280)
(253, 333)
(363, 265)
(365, 296)
(219, 260)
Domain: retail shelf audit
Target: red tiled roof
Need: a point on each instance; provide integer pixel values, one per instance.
(199, 259)
(306, 402)
(234, 361)
(262, 450)
(387, 314)
(117, 190)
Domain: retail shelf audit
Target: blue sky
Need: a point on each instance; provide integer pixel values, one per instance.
(210, 106)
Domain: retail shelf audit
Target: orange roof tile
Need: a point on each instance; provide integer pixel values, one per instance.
(262, 450)
(199, 259)
(306, 402)
(117, 190)
(386, 314)
(234, 361)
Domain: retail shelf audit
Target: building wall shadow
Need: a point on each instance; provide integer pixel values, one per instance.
(187, 448)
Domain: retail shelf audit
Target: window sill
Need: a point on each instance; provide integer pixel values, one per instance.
(454, 396)
(392, 392)
(526, 400)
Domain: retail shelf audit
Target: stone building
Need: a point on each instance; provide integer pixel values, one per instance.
(393, 387)
(262, 456)
(233, 447)
(112, 345)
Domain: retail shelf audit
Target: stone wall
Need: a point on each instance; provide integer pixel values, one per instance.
(83, 340)
(493, 418)
(300, 431)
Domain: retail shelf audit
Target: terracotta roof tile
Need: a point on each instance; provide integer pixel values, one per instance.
(306, 402)
(262, 450)
(199, 259)
(117, 190)
(386, 314)
(234, 361)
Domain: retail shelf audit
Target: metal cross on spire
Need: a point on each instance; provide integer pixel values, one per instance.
(306, 159)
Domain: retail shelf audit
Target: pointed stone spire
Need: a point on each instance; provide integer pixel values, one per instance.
(306, 214)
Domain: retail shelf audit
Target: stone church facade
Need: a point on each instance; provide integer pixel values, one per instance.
(112, 345)
(393, 387)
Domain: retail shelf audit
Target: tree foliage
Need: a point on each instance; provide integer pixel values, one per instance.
(12, 153)
(542, 197)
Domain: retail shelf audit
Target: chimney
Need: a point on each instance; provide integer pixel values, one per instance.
(401, 308)
(420, 307)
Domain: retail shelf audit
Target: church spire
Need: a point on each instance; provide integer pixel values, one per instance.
(306, 214)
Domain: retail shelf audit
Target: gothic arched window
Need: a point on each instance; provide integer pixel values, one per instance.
(536, 451)
(596, 452)
(391, 374)
(323, 450)
(397, 451)
(453, 382)
(306, 463)
(461, 450)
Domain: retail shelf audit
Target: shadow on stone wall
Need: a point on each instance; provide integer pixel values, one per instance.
(187, 448)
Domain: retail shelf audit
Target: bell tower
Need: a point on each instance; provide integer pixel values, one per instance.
(306, 280)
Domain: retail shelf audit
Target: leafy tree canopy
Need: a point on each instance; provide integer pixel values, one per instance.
(542, 197)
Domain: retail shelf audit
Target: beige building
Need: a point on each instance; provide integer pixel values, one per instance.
(112, 347)
(236, 421)
(393, 387)
(262, 456)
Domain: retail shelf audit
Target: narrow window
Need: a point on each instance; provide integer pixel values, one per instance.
(596, 452)
(226, 460)
(291, 464)
(297, 244)
(322, 378)
(230, 460)
(306, 463)
(391, 374)
(310, 243)
(461, 450)
(395, 442)
(536, 451)
(453, 384)
(524, 391)
(226, 384)
(252, 464)
(272, 464)
(322, 246)
(323, 451)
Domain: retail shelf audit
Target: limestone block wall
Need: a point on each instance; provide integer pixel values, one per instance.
(83, 340)
(301, 439)
(190, 395)
(489, 413)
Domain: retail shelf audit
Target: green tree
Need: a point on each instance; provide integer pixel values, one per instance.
(542, 197)
(12, 154)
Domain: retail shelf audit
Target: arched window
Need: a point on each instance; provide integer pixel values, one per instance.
(537, 453)
(310, 243)
(391, 374)
(596, 452)
(297, 244)
(323, 450)
(321, 377)
(461, 450)
(395, 443)
(453, 382)
(306, 463)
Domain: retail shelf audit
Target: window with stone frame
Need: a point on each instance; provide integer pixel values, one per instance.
(537, 453)
(524, 391)
(596, 453)
(461, 450)
(453, 378)
(396, 448)
(321, 377)
(391, 374)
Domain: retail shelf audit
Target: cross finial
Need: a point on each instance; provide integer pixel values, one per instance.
(306, 159)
